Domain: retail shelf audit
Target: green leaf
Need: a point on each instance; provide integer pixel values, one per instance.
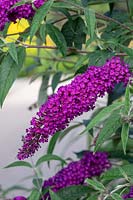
(20, 3)
(55, 80)
(35, 195)
(13, 51)
(49, 157)
(37, 182)
(53, 195)
(104, 113)
(73, 192)
(19, 164)
(127, 100)
(116, 196)
(42, 97)
(9, 71)
(97, 185)
(124, 136)
(127, 50)
(130, 2)
(39, 16)
(52, 143)
(42, 32)
(109, 127)
(57, 37)
(81, 61)
(74, 29)
(91, 21)
(115, 173)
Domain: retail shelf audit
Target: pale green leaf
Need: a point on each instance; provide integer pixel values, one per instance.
(97, 185)
(91, 21)
(109, 127)
(124, 136)
(49, 157)
(19, 164)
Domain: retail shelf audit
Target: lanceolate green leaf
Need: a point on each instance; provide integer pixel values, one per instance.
(73, 192)
(19, 164)
(13, 51)
(103, 114)
(91, 21)
(53, 195)
(52, 143)
(57, 37)
(115, 173)
(97, 185)
(109, 127)
(127, 100)
(35, 195)
(49, 157)
(9, 71)
(39, 16)
(124, 136)
(116, 196)
(55, 80)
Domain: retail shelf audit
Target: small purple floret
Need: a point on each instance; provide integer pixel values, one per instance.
(71, 101)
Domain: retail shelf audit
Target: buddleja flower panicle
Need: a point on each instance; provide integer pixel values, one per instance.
(92, 164)
(71, 101)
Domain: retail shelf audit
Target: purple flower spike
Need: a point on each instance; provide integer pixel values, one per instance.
(71, 101)
(19, 198)
(7, 14)
(129, 195)
(76, 172)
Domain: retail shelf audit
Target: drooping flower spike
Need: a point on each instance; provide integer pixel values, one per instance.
(76, 172)
(71, 101)
(7, 14)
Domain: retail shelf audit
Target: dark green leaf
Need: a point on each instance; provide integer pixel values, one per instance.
(39, 16)
(13, 51)
(42, 32)
(72, 30)
(52, 143)
(9, 71)
(73, 192)
(109, 127)
(19, 164)
(55, 80)
(127, 100)
(57, 37)
(42, 97)
(49, 157)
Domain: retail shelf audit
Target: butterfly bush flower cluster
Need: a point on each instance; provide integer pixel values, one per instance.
(7, 14)
(129, 195)
(75, 173)
(71, 101)
(19, 198)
